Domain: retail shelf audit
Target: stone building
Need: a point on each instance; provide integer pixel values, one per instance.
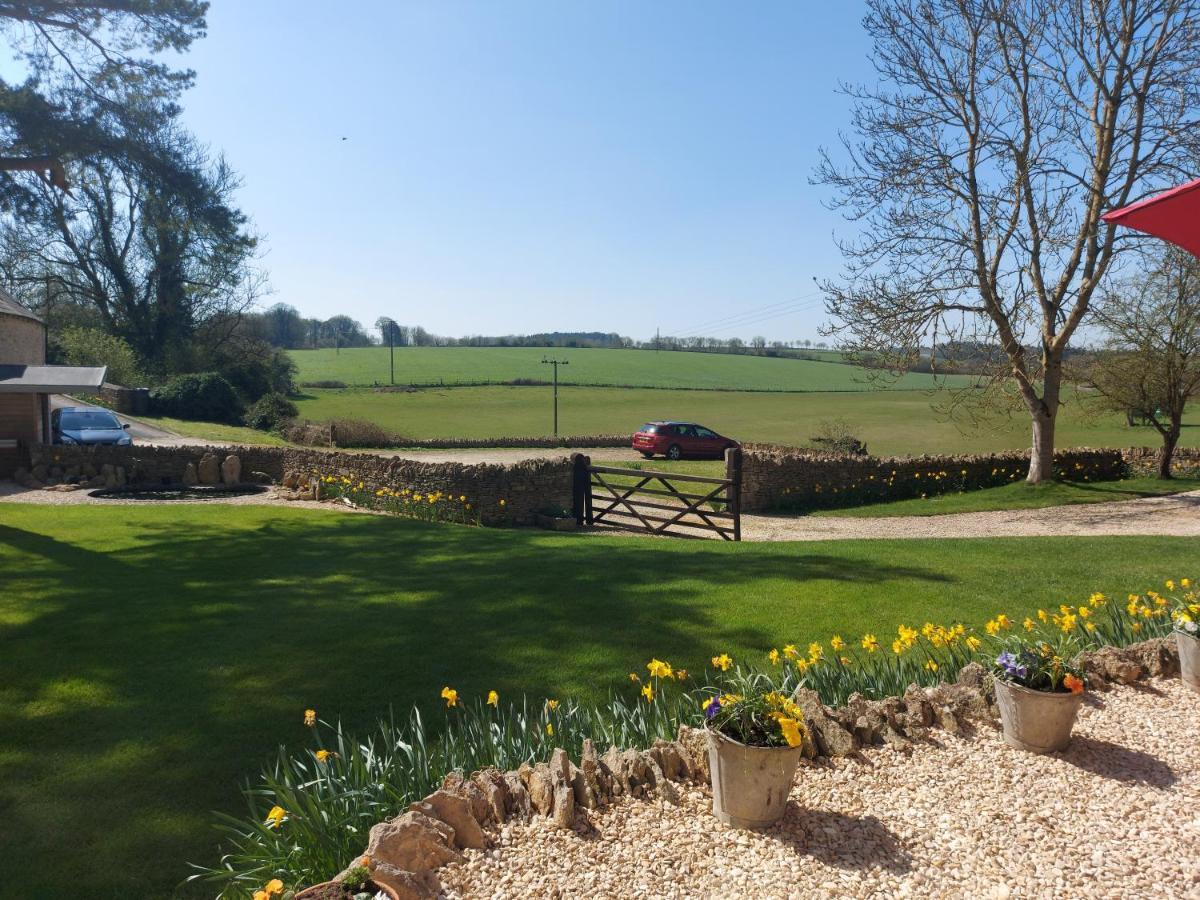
(26, 383)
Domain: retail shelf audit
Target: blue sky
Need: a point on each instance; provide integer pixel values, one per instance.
(526, 166)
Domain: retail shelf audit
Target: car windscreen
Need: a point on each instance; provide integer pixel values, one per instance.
(649, 428)
(91, 420)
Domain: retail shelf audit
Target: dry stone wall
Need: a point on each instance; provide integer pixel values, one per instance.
(783, 478)
(525, 487)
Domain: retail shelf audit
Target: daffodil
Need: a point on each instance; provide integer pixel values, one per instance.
(552, 705)
(837, 643)
(722, 662)
(773, 656)
(648, 692)
(549, 730)
(310, 717)
(870, 643)
(275, 817)
(659, 669)
(322, 755)
(450, 695)
(493, 699)
(789, 650)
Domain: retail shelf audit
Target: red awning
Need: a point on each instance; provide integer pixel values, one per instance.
(1173, 215)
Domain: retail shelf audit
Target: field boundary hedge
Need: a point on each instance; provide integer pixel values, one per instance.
(353, 433)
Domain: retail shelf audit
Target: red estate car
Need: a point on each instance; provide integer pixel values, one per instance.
(675, 440)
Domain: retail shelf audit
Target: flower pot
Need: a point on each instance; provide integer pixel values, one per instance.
(327, 889)
(1037, 721)
(1189, 659)
(750, 785)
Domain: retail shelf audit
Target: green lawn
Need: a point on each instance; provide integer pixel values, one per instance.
(155, 656)
(215, 431)
(637, 368)
(1022, 496)
(891, 422)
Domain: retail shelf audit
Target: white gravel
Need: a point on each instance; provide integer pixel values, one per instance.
(1117, 815)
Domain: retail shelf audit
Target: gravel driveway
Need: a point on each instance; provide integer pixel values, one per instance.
(1116, 815)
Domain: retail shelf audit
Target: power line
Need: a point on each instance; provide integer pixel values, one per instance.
(718, 322)
(753, 317)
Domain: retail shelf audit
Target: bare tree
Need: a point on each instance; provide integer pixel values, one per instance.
(1150, 366)
(998, 133)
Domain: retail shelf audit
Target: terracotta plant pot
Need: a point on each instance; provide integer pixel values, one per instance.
(1189, 659)
(375, 887)
(750, 784)
(1037, 721)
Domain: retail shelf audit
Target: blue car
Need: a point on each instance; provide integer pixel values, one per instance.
(87, 425)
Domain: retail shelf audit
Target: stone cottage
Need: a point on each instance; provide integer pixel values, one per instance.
(26, 383)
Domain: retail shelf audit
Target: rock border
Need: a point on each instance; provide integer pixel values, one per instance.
(406, 851)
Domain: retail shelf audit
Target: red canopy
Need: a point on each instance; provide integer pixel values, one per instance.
(1173, 215)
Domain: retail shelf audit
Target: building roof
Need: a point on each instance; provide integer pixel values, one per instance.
(50, 379)
(10, 307)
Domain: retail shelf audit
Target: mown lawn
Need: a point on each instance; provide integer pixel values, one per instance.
(155, 656)
(1023, 496)
(636, 368)
(890, 422)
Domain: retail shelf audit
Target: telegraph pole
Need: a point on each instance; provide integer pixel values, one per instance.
(392, 348)
(556, 363)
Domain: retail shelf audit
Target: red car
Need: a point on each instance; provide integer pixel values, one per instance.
(675, 440)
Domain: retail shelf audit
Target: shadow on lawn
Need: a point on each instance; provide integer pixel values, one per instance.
(188, 653)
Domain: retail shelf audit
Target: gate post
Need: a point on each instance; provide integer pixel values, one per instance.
(733, 493)
(580, 488)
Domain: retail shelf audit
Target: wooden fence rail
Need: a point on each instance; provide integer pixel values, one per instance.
(615, 497)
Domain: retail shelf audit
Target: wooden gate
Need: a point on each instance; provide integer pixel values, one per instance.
(660, 502)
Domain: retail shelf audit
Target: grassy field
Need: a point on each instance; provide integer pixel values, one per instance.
(636, 368)
(155, 657)
(1023, 496)
(892, 422)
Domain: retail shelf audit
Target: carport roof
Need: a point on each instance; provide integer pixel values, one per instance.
(9, 306)
(50, 379)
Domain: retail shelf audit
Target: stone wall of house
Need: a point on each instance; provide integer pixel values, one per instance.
(524, 487)
(781, 478)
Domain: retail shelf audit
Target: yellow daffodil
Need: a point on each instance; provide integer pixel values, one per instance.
(493, 699)
(659, 669)
(815, 652)
(973, 643)
(789, 650)
(310, 717)
(549, 730)
(276, 816)
(802, 665)
(681, 674)
(1028, 624)
(992, 627)
(450, 696)
(633, 676)
(837, 643)
(722, 662)
(870, 643)
(930, 665)
(552, 705)
(648, 692)
(773, 656)
(322, 755)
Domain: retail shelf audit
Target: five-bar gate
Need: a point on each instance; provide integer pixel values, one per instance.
(664, 503)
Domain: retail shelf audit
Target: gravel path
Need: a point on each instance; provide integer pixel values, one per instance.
(1178, 514)
(1117, 815)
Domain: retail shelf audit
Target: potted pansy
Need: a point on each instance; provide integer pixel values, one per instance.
(755, 741)
(1039, 693)
(353, 884)
(1186, 616)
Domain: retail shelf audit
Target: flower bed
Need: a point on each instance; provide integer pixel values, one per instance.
(311, 811)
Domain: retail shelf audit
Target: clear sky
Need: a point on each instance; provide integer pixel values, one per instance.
(511, 166)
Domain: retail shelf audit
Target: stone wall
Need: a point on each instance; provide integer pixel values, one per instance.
(525, 487)
(1144, 460)
(780, 478)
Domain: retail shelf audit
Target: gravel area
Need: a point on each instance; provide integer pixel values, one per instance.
(1177, 514)
(1116, 815)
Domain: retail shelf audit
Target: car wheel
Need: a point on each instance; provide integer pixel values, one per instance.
(674, 452)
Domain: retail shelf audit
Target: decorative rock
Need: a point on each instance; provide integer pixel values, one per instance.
(120, 475)
(585, 780)
(541, 789)
(480, 808)
(259, 478)
(1112, 664)
(291, 480)
(829, 737)
(189, 474)
(407, 885)
(455, 811)
(695, 744)
(209, 470)
(492, 786)
(107, 471)
(413, 842)
(1159, 656)
(231, 470)
(517, 802)
(564, 806)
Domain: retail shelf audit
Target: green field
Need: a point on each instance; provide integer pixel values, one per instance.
(155, 657)
(634, 368)
(891, 422)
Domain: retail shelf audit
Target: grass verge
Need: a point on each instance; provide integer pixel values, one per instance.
(1021, 496)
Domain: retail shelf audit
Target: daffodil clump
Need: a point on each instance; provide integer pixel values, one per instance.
(1185, 612)
(428, 506)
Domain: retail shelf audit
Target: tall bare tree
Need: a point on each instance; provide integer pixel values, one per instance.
(1150, 365)
(997, 134)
